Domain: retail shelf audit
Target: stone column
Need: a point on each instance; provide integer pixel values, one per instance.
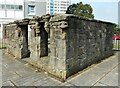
(34, 41)
(39, 39)
(58, 28)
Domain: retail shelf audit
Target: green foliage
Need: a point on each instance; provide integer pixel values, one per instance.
(71, 9)
(80, 9)
(117, 31)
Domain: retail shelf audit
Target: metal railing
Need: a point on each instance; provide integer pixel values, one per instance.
(2, 44)
(116, 44)
(2, 41)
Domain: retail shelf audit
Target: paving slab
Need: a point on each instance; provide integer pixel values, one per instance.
(39, 82)
(94, 74)
(66, 84)
(27, 87)
(22, 75)
(105, 87)
(86, 79)
(9, 76)
(27, 80)
(27, 71)
(8, 83)
(111, 78)
(119, 69)
(44, 80)
(109, 63)
(51, 82)
(100, 84)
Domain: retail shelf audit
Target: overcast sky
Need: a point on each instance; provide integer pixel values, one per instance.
(106, 10)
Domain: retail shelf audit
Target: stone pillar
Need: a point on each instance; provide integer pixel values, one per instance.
(58, 28)
(39, 39)
(34, 41)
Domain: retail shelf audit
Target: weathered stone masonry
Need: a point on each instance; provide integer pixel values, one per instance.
(16, 38)
(60, 44)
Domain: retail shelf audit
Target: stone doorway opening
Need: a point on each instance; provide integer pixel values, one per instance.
(25, 52)
(43, 40)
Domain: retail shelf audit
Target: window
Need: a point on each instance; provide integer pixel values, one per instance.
(7, 6)
(31, 9)
(51, 10)
(51, 6)
(63, 10)
(18, 7)
(63, 7)
(12, 6)
(2, 6)
(63, 4)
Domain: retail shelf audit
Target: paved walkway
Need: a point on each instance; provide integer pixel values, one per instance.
(17, 73)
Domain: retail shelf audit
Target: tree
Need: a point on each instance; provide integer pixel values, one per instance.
(117, 29)
(71, 9)
(80, 9)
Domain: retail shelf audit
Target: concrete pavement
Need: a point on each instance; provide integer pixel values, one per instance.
(18, 73)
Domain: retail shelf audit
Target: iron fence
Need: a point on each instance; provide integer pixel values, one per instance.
(2, 41)
(2, 44)
(116, 44)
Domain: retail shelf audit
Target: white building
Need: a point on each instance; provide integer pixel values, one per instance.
(57, 6)
(10, 10)
(18, 9)
(41, 7)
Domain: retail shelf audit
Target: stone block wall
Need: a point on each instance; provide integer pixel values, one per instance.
(16, 38)
(11, 39)
(77, 43)
(61, 44)
(87, 42)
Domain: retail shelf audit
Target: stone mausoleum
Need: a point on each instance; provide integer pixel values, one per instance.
(60, 44)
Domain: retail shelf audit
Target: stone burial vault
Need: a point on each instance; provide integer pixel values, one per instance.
(60, 44)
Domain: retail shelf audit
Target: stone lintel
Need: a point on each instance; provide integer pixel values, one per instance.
(22, 22)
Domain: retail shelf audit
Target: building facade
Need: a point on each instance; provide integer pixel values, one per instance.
(41, 7)
(10, 10)
(34, 8)
(18, 9)
(57, 6)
